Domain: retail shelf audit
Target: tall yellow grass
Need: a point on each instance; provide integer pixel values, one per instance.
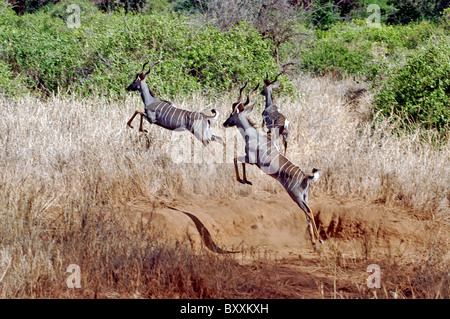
(67, 166)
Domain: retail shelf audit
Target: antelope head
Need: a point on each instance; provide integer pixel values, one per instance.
(239, 108)
(269, 86)
(136, 85)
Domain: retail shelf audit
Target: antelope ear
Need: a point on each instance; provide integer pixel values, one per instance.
(276, 85)
(239, 108)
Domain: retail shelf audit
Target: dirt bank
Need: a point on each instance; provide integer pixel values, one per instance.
(273, 230)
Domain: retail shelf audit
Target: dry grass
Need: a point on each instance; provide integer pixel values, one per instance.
(364, 158)
(68, 166)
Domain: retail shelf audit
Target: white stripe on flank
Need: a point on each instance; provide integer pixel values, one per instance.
(161, 112)
(299, 180)
(262, 160)
(179, 124)
(166, 111)
(156, 108)
(265, 146)
(169, 115)
(270, 165)
(287, 174)
(174, 111)
(293, 178)
(281, 168)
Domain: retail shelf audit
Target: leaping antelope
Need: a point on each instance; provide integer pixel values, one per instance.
(165, 114)
(262, 152)
(272, 118)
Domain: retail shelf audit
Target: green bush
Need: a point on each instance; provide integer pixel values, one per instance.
(418, 92)
(9, 84)
(106, 50)
(324, 14)
(60, 10)
(407, 11)
(359, 50)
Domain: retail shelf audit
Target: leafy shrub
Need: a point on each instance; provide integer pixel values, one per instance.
(324, 14)
(102, 55)
(332, 53)
(10, 85)
(419, 91)
(359, 9)
(407, 11)
(60, 10)
(445, 19)
(356, 49)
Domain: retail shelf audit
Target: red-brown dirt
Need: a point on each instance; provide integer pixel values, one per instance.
(271, 229)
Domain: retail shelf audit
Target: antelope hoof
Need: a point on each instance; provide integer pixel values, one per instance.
(248, 182)
(240, 181)
(129, 125)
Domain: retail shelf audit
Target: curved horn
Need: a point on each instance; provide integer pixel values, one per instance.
(143, 67)
(240, 91)
(277, 77)
(151, 67)
(248, 95)
(233, 107)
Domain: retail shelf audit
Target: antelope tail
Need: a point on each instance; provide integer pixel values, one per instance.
(215, 117)
(315, 176)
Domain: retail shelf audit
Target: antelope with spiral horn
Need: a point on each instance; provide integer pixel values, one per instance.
(275, 122)
(165, 114)
(262, 152)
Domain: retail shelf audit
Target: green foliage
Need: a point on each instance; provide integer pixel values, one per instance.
(407, 11)
(30, 6)
(10, 85)
(7, 15)
(61, 11)
(445, 19)
(408, 65)
(419, 91)
(324, 14)
(360, 8)
(189, 6)
(128, 5)
(333, 53)
(359, 50)
(104, 53)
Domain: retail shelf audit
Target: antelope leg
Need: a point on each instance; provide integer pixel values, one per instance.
(244, 175)
(311, 216)
(132, 118)
(237, 171)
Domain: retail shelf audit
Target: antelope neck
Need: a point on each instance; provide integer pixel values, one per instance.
(269, 101)
(244, 126)
(145, 94)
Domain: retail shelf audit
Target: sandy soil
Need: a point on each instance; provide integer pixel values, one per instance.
(271, 229)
